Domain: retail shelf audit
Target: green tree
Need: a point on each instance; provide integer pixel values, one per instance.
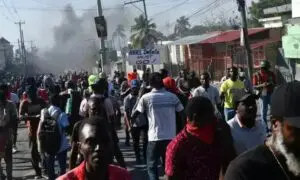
(182, 26)
(119, 35)
(140, 37)
(256, 9)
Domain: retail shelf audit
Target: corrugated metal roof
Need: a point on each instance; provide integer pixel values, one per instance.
(263, 43)
(194, 39)
(231, 35)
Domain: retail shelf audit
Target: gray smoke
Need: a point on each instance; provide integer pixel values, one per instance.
(75, 39)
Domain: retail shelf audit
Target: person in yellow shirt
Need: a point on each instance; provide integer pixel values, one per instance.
(231, 91)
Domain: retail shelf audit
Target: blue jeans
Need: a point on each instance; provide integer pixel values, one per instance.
(50, 163)
(229, 113)
(264, 102)
(155, 151)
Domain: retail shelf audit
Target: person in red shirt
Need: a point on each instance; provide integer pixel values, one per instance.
(96, 146)
(264, 82)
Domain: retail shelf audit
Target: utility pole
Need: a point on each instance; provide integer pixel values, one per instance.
(146, 43)
(102, 41)
(241, 5)
(22, 50)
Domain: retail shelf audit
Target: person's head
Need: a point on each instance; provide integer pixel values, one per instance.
(86, 94)
(95, 144)
(200, 112)
(205, 79)
(100, 87)
(234, 73)
(170, 85)
(246, 110)
(31, 91)
(265, 65)
(193, 74)
(135, 87)
(54, 100)
(134, 70)
(96, 107)
(164, 73)
(285, 116)
(242, 75)
(70, 85)
(156, 81)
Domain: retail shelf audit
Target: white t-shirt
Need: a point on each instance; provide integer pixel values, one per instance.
(211, 93)
(245, 138)
(161, 107)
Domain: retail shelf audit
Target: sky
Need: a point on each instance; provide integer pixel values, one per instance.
(41, 16)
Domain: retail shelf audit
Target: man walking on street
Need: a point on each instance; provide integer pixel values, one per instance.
(231, 91)
(279, 157)
(161, 107)
(8, 116)
(30, 111)
(136, 125)
(264, 82)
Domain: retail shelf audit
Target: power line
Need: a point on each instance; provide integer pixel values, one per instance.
(14, 8)
(7, 8)
(173, 7)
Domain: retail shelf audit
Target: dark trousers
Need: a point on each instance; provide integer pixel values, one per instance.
(117, 151)
(127, 133)
(136, 134)
(50, 162)
(15, 132)
(8, 160)
(155, 151)
(35, 156)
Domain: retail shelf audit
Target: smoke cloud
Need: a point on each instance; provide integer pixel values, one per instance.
(76, 43)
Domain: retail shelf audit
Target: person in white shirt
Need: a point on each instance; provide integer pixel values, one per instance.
(247, 132)
(209, 91)
(160, 107)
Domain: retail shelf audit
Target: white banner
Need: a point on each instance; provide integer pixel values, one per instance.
(295, 8)
(143, 57)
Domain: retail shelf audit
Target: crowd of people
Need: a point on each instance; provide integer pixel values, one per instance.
(190, 127)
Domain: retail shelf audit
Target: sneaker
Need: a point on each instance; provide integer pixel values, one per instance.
(14, 150)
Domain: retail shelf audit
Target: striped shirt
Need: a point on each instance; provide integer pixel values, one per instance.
(161, 107)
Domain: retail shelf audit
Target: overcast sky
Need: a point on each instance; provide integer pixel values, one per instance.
(41, 16)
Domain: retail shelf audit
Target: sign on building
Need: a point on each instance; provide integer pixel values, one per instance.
(295, 8)
(144, 57)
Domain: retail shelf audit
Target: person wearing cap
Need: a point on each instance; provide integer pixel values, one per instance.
(138, 125)
(246, 131)
(279, 157)
(264, 82)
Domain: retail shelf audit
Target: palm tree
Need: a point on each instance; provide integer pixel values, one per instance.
(140, 37)
(119, 34)
(182, 26)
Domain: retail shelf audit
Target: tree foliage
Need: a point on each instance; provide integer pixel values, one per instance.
(256, 9)
(182, 26)
(140, 36)
(119, 35)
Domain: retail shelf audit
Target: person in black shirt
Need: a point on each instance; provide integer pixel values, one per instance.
(279, 158)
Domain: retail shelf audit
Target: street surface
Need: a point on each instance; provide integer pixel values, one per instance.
(22, 168)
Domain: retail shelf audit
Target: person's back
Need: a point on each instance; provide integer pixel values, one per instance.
(161, 112)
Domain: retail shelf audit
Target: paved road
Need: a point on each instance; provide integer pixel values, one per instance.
(22, 168)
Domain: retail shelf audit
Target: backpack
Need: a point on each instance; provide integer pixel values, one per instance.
(49, 134)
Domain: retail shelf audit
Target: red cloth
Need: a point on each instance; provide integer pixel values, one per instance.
(170, 84)
(205, 134)
(265, 77)
(188, 158)
(43, 94)
(78, 173)
(132, 76)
